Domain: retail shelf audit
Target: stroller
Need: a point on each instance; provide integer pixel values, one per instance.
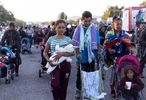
(25, 47)
(43, 60)
(6, 66)
(119, 73)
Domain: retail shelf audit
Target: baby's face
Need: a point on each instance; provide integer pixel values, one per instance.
(130, 74)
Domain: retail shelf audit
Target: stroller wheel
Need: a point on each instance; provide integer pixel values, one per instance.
(7, 81)
(40, 72)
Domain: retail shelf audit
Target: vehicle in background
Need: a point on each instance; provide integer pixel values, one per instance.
(129, 20)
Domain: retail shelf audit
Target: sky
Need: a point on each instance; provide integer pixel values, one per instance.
(47, 10)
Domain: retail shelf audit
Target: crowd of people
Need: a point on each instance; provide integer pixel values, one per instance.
(87, 41)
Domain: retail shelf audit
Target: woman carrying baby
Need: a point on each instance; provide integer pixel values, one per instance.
(59, 76)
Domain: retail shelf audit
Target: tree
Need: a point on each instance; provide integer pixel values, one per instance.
(112, 11)
(106, 15)
(62, 15)
(6, 15)
(143, 3)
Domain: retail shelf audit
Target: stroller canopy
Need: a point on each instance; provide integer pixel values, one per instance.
(129, 60)
(26, 40)
(11, 54)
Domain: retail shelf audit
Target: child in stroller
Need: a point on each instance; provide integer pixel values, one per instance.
(6, 68)
(131, 76)
(25, 47)
(122, 75)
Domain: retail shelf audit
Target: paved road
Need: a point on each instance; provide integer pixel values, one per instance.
(28, 86)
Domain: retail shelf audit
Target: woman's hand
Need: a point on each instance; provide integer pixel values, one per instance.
(125, 86)
(50, 62)
(111, 51)
(57, 56)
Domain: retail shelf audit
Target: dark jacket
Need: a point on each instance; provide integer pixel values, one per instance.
(136, 82)
(142, 41)
(22, 34)
(11, 38)
(39, 37)
(67, 32)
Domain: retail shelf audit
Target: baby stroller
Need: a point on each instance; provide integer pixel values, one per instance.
(43, 60)
(25, 47)
(6, 66)
(119, 73)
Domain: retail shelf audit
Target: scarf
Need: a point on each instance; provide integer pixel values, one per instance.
(76, 37)
(89, 40)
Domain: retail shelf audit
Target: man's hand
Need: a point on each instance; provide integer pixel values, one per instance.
(79, 57)
(111, 51)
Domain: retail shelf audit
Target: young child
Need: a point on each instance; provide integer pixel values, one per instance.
(137, 85)
(3, 56)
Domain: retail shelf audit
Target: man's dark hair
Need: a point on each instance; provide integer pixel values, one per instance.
(86, 14)
(115, 17)
(12, 24)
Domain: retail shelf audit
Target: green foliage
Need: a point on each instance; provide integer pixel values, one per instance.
(62, 15)
(143, 3)
(8, 16)
(112, 11)
(106, 15)
(5, 15)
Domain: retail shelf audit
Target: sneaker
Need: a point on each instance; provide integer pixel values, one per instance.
(78, 94)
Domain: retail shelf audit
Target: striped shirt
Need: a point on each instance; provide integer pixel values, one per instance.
(61, 42)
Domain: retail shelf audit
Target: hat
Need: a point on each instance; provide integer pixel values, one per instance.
(101, 24)
(130, 67)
